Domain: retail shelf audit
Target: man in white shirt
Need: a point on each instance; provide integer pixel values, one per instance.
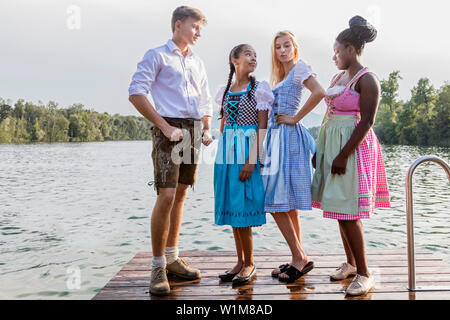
(177, 81)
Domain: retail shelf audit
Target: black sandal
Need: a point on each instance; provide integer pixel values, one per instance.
(282, 268)
(293, 273)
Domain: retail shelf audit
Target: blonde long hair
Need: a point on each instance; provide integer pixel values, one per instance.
(277, 73)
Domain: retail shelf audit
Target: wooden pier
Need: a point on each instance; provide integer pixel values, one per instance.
(389, 266)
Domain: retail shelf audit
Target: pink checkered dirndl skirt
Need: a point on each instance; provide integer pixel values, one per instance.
(372, 181)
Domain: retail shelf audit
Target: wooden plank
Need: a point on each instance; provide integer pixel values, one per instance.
(317, 271)
(424, 280)
(270, 265)
(251, 290)
(280, 260)
(330, 296)
(283, 257)
(256, 288)
(222, 253)
(389, 266)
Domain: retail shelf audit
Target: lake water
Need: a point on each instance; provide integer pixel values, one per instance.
(81, 211)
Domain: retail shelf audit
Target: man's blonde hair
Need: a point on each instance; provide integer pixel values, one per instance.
(277, 73)
(184, 12)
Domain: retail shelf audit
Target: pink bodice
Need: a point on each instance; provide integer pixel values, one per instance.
(345, 101)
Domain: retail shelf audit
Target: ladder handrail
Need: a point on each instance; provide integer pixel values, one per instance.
(410, 214)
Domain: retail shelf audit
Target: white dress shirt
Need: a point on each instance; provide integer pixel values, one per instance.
(177, 84)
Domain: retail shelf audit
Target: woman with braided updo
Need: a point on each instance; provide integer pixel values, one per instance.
(238, 188)
(350, 179)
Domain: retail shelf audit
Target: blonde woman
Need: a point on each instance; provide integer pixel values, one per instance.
(287, 170)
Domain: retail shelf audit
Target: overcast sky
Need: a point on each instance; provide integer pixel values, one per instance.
(49, 52)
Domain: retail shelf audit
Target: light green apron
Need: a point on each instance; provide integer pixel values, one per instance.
(336, 193)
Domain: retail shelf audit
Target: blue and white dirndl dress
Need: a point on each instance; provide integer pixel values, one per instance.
(239, 204)
(287, 172)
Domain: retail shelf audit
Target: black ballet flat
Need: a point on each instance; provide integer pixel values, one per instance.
(282, 269)
(243, 280)
(294, 274)
(227, 277)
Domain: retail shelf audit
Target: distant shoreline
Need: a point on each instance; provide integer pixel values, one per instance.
(30, 123)
(68, 142)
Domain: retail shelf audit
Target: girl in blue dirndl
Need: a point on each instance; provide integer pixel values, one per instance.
(238, 186)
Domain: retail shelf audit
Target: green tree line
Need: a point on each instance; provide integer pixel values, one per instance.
(27, 122)
(423, 120)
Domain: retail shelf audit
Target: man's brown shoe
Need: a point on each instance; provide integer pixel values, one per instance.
(159, 285)
(181, 269)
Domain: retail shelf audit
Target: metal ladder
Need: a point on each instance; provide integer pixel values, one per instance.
(410, 222)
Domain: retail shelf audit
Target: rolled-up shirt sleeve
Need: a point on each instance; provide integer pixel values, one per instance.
(145, 75)
(205, 107)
